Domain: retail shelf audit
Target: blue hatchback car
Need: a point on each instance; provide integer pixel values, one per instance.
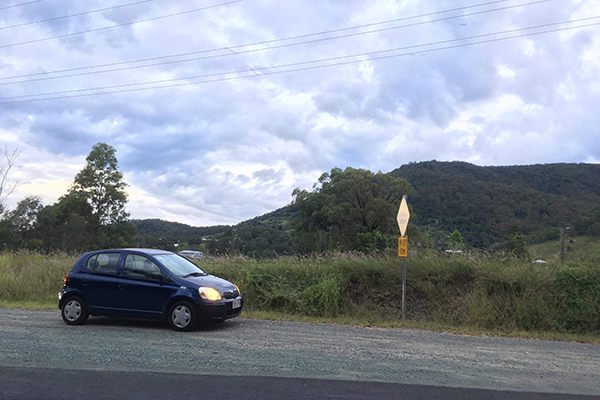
(146, 283)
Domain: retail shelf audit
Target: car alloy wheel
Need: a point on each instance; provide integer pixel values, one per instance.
(182, 316)
(74, 312)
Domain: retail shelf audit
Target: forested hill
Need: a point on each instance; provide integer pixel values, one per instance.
(483, 202)
(153, 230)
(175, 231)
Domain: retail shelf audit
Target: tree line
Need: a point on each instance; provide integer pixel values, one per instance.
(453, 206)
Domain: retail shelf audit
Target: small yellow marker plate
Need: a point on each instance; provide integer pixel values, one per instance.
(403, 247)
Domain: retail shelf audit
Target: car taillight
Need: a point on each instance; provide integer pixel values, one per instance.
(65, 280)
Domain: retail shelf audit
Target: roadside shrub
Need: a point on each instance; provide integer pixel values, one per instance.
(576, 299)
(323, 298)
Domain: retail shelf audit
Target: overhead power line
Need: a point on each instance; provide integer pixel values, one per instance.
(306, 65)
(231, 52)
(75, 15)
(120, 25)
(20, 4)
(257, 43)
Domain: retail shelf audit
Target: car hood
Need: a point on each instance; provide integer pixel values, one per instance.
(209, 281)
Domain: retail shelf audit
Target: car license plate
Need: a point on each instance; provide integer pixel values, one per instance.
(236, 304)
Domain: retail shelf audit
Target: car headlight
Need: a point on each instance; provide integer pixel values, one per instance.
(208, 293)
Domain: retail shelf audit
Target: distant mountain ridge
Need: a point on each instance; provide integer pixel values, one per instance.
(480, 202)
(182, 232)
(570, 180)
(174, 230)
(483, 202)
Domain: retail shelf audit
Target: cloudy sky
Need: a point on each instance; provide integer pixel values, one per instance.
(218, 109)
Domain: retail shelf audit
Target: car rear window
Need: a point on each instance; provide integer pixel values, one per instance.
(105, 263)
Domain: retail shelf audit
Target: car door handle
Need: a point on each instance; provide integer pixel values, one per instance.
(122, 287)
(85, 283)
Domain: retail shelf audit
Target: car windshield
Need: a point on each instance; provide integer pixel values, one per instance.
(178, 265)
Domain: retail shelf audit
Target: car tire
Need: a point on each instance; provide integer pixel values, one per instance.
(74, 311)
(182, 316)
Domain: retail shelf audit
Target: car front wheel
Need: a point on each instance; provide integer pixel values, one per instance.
(182, 316)
(74, 311)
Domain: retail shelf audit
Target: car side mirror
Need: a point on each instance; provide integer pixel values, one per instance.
(158, 276)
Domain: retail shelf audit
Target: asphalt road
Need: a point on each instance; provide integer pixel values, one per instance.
(41, 357)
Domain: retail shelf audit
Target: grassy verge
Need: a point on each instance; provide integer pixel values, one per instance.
(472, 293)
(466, 295)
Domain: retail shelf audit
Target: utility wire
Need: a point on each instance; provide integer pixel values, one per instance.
(75, 15)
(232, 53)
(119, 25)
(20, 4)
(305, 65)
(259, 43)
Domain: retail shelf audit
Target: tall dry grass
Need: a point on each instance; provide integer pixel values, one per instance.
(34, 277)
(468, 290)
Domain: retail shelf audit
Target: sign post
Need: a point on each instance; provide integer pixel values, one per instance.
(402, 218)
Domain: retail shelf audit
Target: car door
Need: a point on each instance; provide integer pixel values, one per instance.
(143, 287)
(99, 282)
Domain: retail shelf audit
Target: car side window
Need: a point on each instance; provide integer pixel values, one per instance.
(140, 267)
(105, 263)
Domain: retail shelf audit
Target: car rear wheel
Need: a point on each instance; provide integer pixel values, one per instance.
(182, 316)
(74, 311)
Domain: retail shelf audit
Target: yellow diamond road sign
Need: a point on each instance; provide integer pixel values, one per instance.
(403, 216)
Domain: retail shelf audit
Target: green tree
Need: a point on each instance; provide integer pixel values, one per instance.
(77, 226)
(594, 229)
(7, 235)
(456, 240)
(47, 232)
(345, 203)
(24, 219)
(102, 184)
(514, 242)
(92, 214)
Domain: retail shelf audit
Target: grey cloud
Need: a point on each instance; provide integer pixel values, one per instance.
(128, 14)
(268, 175)
(243, 179)
(187, 146)
(315, 16)
(63, 135)
(55, 9)
(286, 125)
(343, 100)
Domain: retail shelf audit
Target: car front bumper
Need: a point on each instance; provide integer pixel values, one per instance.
(221, 310)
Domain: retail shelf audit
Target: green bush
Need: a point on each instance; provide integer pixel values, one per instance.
(576, 299)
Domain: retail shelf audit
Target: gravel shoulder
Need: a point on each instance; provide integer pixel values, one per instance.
(39, 338)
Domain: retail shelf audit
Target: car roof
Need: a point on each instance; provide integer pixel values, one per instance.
(150, 252)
